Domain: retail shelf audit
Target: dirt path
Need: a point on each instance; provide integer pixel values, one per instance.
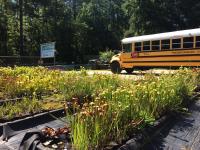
(181, 134)
(155, 71)
(136, 75)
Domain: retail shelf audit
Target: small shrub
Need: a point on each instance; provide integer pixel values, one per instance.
(106, 56)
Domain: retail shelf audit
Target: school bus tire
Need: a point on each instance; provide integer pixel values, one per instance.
(115, 67)
(129, 70)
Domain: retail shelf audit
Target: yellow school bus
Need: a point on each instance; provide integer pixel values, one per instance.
(170, 49)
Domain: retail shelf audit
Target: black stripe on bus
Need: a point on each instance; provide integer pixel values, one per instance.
(165, 50)
(161, 61)
(149, 56)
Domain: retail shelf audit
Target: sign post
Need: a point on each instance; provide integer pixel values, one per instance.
(47, 50)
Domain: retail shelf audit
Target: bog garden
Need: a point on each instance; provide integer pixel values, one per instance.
(100, 108)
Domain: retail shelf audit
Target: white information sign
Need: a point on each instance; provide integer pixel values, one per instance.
(47, 50)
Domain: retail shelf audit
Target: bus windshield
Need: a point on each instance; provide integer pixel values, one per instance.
(127, 47)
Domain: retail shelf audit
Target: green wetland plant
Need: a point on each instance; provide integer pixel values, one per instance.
(26, 106)
(101, 108)
(130, 107)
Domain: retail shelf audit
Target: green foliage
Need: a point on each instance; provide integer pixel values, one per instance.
(78, 27)
(85, 27)
(106, 56)
(155, 16)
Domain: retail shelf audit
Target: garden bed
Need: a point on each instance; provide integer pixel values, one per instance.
(101, 109)
(20, 108)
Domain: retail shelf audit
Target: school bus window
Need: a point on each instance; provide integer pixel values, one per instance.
(146, 46)
(155, 45)
(188, 42)
(165, 44)
(198, 41)
(138, 46)
(127, 47)
(176, 43)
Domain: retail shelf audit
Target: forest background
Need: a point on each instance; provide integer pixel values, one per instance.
(87, 27)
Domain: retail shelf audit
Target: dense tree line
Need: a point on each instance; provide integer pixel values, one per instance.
(85, 27)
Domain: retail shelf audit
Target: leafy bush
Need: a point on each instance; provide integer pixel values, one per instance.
(106, 56)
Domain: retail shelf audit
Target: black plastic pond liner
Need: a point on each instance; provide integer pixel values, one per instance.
(140, 140)
(32, 121)
(8, 132)
(32, 139)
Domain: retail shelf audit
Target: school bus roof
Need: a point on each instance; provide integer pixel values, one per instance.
(163, 36)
